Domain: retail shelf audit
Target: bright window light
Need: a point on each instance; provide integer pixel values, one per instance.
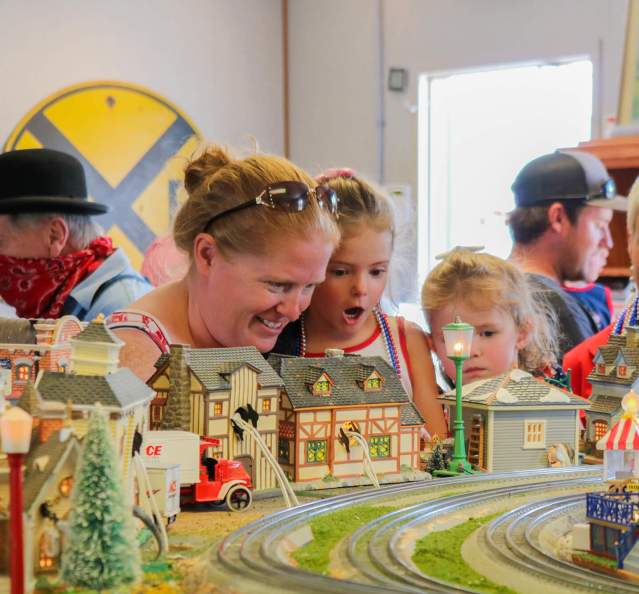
(476, 130)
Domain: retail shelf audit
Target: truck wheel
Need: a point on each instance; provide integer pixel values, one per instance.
(238, 498)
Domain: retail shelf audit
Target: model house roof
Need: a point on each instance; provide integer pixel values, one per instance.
(17, 331)
(624, 435)
(609, 354)
(42, 461)
(600, 403)
(121, 389)
(516, 388)
(347, 389)
(213, 366)
(409, 415)
(96, 331)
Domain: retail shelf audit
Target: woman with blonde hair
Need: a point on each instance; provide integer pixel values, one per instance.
(259, 233)
(512, 329)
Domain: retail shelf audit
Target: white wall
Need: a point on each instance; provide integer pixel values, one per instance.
(220, 61)
(335, 66)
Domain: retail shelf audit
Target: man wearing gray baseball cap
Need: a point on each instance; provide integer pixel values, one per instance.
(560, 226)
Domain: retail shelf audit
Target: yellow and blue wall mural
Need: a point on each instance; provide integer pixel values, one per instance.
(133, 144)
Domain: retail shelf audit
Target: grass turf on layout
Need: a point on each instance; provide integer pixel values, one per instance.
(603, 561)
(438, 555)
(329, 529)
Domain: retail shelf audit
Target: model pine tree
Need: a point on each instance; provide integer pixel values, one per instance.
(177, 412)
(101, 551)
(436, 461)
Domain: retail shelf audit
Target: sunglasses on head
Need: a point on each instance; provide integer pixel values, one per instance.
(289, 196)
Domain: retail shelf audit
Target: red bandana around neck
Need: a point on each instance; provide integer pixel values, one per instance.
(38, 287)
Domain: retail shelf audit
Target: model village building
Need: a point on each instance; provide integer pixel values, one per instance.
(60, 403)
(199, 390)
(324, 395)
(615, 372)
(96, 377)
(511, 420)
(28, 346)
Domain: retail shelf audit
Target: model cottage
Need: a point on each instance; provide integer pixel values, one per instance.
(28, 346)
(95, 377)
(199, 390)
(512, 419)
(615, 372)
(324, 395)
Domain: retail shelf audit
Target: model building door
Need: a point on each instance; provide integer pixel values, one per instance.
(476, 443)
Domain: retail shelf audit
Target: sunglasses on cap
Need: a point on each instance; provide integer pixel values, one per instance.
(288, 196)
(608, 190)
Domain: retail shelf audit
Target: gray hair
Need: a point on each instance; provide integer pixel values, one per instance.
(82, 228)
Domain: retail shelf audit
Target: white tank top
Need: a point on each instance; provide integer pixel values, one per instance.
(375, 345)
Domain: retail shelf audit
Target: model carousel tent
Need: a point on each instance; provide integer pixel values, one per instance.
(621, 443)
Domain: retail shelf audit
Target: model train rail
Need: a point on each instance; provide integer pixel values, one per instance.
(514, 537)
(256, 554)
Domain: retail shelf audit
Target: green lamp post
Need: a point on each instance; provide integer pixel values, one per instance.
(458, 338)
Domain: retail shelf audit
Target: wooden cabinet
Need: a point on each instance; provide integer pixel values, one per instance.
(620, 155)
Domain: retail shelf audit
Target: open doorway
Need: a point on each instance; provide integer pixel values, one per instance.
(476, 130)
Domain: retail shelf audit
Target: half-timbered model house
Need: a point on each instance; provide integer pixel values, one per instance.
(512, 419)
(200, 390)
(94, 376)
(322, 396)
(27, 346)
(615, 372)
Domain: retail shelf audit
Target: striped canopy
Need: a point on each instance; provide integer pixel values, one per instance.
(624, 435)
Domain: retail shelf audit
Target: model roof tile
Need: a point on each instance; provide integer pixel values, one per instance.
(120, 389)
(522, 390)
(409, 415)
(345, 373)
(600, 403)
(210, 365)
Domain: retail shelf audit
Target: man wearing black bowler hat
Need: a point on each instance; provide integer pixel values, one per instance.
(561, 232)
(54, 259)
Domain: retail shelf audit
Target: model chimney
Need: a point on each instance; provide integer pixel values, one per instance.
(334, 353)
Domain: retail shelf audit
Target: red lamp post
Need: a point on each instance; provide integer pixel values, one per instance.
(15, 429)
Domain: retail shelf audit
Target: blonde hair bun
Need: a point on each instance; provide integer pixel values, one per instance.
(205, 166)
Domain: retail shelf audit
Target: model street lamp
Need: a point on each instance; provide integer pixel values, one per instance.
(15, 431)
(458, 338)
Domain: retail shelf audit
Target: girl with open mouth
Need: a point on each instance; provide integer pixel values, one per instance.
(345, 312)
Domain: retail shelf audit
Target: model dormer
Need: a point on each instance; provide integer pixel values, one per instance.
(319, 382)
(600, 364)
(623, 366)
(370, 379)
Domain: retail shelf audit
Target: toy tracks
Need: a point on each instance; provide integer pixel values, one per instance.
(377, 556)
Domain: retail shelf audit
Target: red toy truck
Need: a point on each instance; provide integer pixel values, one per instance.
(203, 478)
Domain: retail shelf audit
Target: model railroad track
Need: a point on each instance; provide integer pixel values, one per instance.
(514, 538)
(384, 536)
(255, 552)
